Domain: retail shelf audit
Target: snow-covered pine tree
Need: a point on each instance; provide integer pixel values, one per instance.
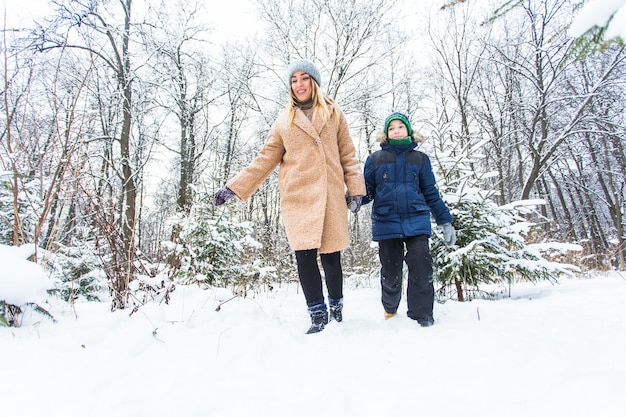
(210, 249)
(491, 243)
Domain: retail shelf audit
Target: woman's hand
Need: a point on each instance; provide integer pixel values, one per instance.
(222, 195)
(354, 203)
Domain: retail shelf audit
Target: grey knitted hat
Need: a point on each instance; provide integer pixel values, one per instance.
(307, 66)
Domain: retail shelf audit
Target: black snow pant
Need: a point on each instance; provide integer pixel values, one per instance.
(311, 279)
(420, 292)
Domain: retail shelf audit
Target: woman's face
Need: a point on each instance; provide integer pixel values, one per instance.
(301, 86)
(397, 130)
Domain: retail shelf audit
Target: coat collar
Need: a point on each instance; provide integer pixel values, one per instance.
(398, 149)
(312, 128)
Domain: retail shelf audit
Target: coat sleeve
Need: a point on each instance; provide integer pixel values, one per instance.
(431, 194)
(370, 181)
(249, 179)
(353, 175)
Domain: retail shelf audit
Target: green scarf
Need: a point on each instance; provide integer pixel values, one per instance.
(404, 141)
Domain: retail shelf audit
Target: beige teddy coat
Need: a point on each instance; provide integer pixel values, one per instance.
(317, 163)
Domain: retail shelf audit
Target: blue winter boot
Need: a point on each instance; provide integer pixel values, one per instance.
(335, 305)
(319, 317)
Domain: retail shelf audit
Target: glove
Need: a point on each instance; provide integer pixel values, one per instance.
(449, 235)
(222, 195)
(354, 203)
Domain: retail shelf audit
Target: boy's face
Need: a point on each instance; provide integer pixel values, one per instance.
(301, 86)
(397, 130)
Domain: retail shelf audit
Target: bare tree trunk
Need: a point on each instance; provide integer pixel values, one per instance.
(613, 197)
(126, 273)
(7, 136)
(459, 290)
(115, 56)
(568, 224)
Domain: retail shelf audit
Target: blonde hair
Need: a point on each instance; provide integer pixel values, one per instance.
(322, 104)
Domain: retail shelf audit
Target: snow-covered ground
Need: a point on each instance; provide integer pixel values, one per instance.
(549, 350)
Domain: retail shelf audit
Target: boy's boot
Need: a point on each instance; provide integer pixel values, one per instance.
(319, 318)
(426, 322)
(335, 305)
(389, 315)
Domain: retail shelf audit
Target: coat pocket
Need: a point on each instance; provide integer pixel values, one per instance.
(420, 208)
(382, 210)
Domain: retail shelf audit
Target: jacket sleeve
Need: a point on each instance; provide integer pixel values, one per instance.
(431, 193)
(370, 184)
(249, 179)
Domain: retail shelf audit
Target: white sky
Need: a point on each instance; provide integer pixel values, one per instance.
(548, 351)
(22, 11)
(597, 12)
(234, 18)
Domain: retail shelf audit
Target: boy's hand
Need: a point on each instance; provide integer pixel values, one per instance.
(449, 234)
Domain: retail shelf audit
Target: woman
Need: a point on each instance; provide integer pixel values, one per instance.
(311, 142)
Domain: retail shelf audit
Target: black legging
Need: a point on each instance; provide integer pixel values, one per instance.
(311, 279)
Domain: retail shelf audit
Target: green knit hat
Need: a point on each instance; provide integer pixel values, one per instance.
(398, 116)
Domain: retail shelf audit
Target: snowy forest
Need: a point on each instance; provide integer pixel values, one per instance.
(121, 118)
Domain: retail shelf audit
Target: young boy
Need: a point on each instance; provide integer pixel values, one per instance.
(400, 182)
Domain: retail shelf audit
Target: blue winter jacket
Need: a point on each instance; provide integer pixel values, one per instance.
(400, 182)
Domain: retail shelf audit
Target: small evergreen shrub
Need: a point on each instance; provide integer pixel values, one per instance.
(209, 249)
(491, 248)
